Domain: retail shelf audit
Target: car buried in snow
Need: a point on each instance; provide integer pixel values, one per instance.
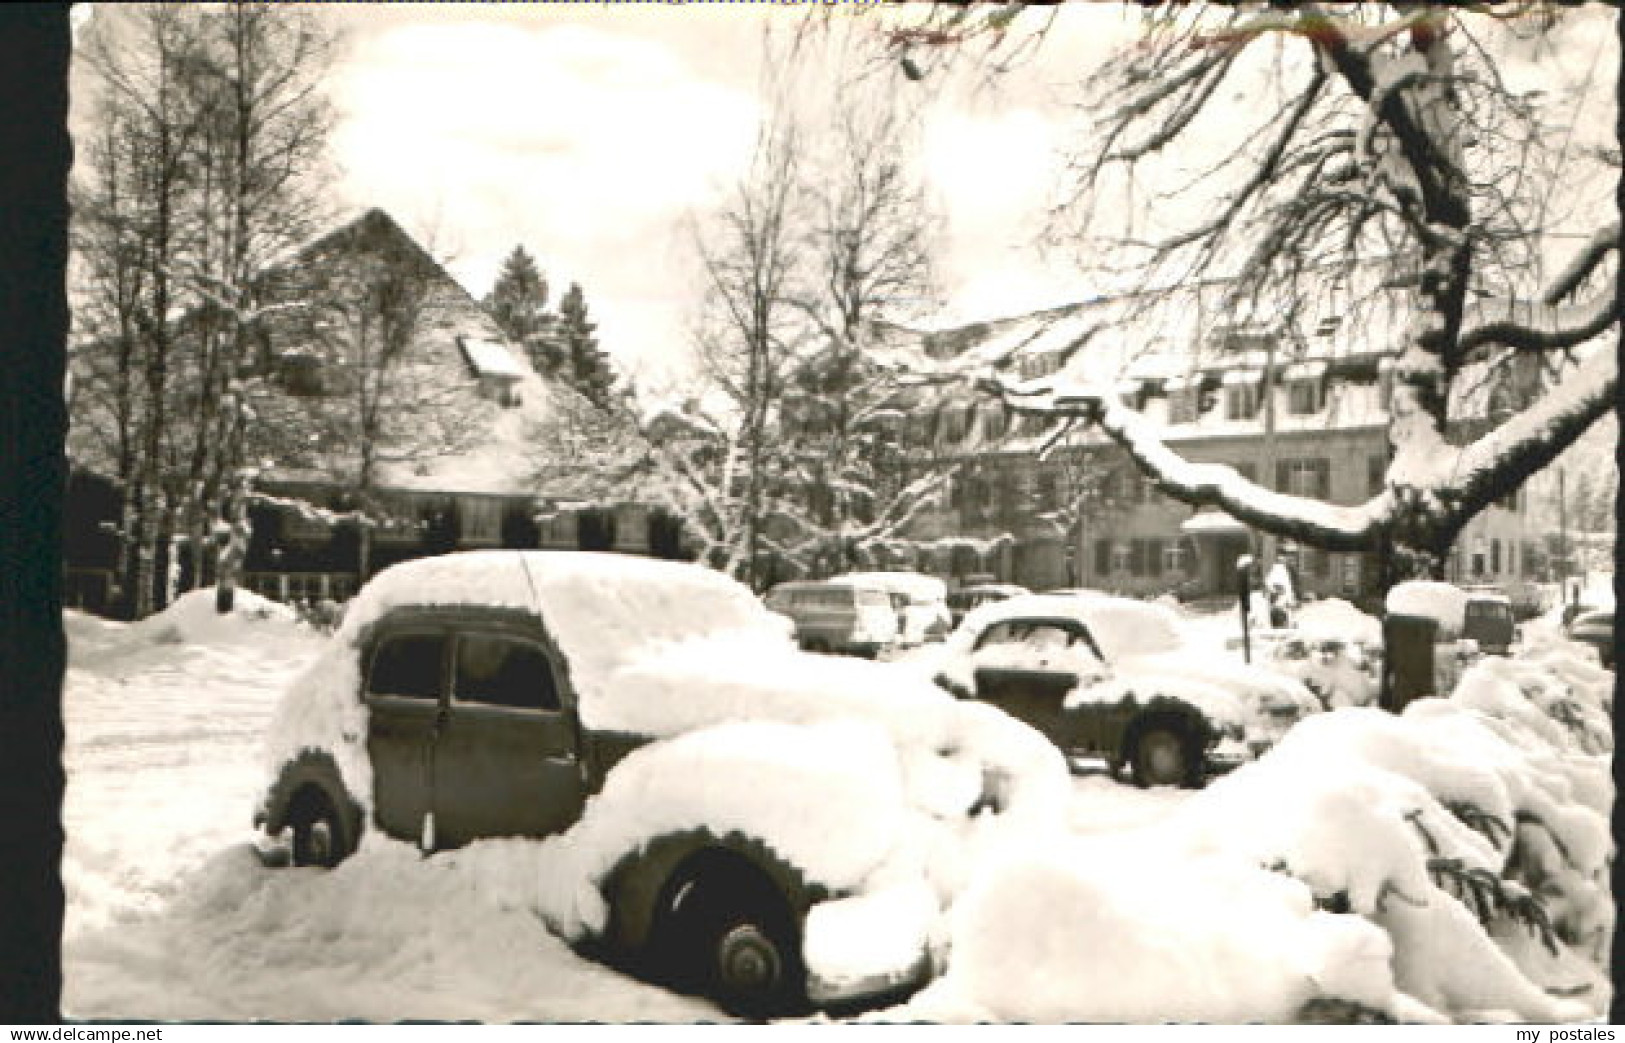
(721, 809)
(1112, 678)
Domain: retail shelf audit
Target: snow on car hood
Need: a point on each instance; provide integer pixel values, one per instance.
(1258, 689)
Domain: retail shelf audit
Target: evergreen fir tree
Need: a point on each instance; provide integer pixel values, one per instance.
(586, 365)
(518, 304)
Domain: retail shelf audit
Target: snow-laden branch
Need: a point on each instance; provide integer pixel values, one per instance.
(1536, 325)
(1505, 457)
(1312, 521)
(1549, 323)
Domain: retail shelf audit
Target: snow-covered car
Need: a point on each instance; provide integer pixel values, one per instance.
(962, 600)
(722, 810)
(1595, 628)
(830, 616)
(1114, 678)
(921, 602)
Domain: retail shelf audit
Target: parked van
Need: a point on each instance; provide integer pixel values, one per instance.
(837, 616)
(921, 602)
(1488, 619)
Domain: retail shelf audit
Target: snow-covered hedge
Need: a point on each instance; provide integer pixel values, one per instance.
(1449, 863)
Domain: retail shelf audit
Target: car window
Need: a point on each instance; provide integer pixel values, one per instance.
(1026, 632)
(408, 665)
(504, 671)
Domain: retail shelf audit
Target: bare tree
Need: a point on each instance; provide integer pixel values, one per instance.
(829, 234)
(1387, 136)
(211, 121)
(750, 328)
(259, 74)
(153, 126)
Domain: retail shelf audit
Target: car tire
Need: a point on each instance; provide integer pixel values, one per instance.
(1163, 756)
(319, 837)
(735, 941)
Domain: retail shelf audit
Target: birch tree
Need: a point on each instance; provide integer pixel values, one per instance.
(1386, 134)
(210, 124)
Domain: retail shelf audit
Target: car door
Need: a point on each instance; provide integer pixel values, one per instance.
(404, 689)
(507, 761)
(1026, 667)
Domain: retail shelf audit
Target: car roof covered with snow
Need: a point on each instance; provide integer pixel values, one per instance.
(916, 586)
(1120, 626)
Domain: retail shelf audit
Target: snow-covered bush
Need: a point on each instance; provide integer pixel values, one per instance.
(1449, 863)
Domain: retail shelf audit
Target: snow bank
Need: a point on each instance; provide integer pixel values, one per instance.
(192, 619)
(1093, 932)
(1450, 863)
(1336, 618)
(386, 936)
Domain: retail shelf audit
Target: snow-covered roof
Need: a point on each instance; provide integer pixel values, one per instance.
(1211, 522)
(488, 358)
(1441, 602)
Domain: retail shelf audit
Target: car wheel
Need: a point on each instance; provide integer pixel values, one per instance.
(318, 834)
(738, 945)
(1164, 757)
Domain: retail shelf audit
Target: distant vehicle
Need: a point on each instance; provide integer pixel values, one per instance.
(1111, 677)
(840, 617)
(1595, 627)
(506, 694)
(920, 601)
(966, 598)
(1487, 619)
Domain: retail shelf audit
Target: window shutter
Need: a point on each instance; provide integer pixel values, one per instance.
(1323, 478)
(1283, 475)
(1103, 557)
(1136, 558)
(1154, 558)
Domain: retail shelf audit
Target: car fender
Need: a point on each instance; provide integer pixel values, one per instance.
(639, 881)
(309, 768)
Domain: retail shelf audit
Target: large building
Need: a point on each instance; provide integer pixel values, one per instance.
(1297, 405)
(379, 387)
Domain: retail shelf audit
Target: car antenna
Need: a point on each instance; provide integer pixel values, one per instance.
(535, 597)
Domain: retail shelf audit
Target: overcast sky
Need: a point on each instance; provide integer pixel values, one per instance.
(589, 132)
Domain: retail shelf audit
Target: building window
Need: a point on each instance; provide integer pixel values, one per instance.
(1478, 563)
(1304, 397)
(481, 520)
(1309, 476)
(1173, 558)
(1376, 474)
(994, 423)
(1182, 405)
(1351, 573)
(1045, 491)
(1240, 401)
(1122, 561)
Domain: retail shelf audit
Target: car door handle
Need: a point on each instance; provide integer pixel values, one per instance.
(562, 761)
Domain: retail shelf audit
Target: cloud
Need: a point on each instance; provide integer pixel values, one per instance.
(584, 144)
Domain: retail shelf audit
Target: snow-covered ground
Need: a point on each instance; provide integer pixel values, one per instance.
(171, 917)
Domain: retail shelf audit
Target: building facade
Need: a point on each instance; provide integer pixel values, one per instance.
(1298, 408)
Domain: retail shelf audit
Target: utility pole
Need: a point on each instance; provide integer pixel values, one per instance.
(1562, 537)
